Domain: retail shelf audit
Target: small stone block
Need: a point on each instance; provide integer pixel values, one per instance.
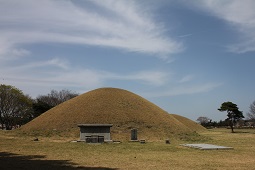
(142, 141)
(167, 141)
(35, 139)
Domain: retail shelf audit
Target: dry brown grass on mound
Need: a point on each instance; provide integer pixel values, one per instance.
(123, 109)
(189, 123)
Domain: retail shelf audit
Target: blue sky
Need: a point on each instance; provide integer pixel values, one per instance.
(187, 57)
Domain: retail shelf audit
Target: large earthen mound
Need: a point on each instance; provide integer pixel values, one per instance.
(188, 123)
(123, 109)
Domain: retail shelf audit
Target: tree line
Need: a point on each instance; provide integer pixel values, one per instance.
(234, 117)
(17, 109)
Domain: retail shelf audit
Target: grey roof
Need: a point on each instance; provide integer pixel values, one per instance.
(95, 125)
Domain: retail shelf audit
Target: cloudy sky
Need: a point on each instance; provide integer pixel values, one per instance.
(185, 56)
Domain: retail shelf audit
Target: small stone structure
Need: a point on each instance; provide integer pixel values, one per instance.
(203, 146)
(142, 141)
(134, 135)
(167, 141)
(95, 133)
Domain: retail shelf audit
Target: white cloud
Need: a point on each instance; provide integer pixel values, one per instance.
(238, 13)
(20, 52)
(243, 47)
(155, 78)
(54, 63)
(8, 51)
(61, 63)
(185, 90)
(186, 78)
(56, 73)
(116, 24)
(42, 76)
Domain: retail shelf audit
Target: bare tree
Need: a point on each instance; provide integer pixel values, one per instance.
(45, 102)
(203, 120)
(251, 113)
(55, 98)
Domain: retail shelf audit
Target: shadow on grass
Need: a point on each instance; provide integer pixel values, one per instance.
(13, 161)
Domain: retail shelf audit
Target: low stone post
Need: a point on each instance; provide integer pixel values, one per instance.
(133, 134)
(167, 141)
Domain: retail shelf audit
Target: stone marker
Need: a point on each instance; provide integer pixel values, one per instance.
(133, 134)
(142, 141)
(167, 141)
(35, 139)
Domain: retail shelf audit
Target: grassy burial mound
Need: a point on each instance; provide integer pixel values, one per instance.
(123, 109)
(188, 123)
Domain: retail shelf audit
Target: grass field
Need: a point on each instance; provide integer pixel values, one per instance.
(20, 152)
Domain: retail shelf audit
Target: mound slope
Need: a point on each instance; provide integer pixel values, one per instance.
(188, 123)
(124, 109)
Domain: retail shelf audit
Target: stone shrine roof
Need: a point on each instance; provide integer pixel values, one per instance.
(95, 125)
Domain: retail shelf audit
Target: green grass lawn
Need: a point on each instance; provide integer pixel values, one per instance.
(20, 152)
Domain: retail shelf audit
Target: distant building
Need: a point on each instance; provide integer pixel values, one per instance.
(95, 133)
